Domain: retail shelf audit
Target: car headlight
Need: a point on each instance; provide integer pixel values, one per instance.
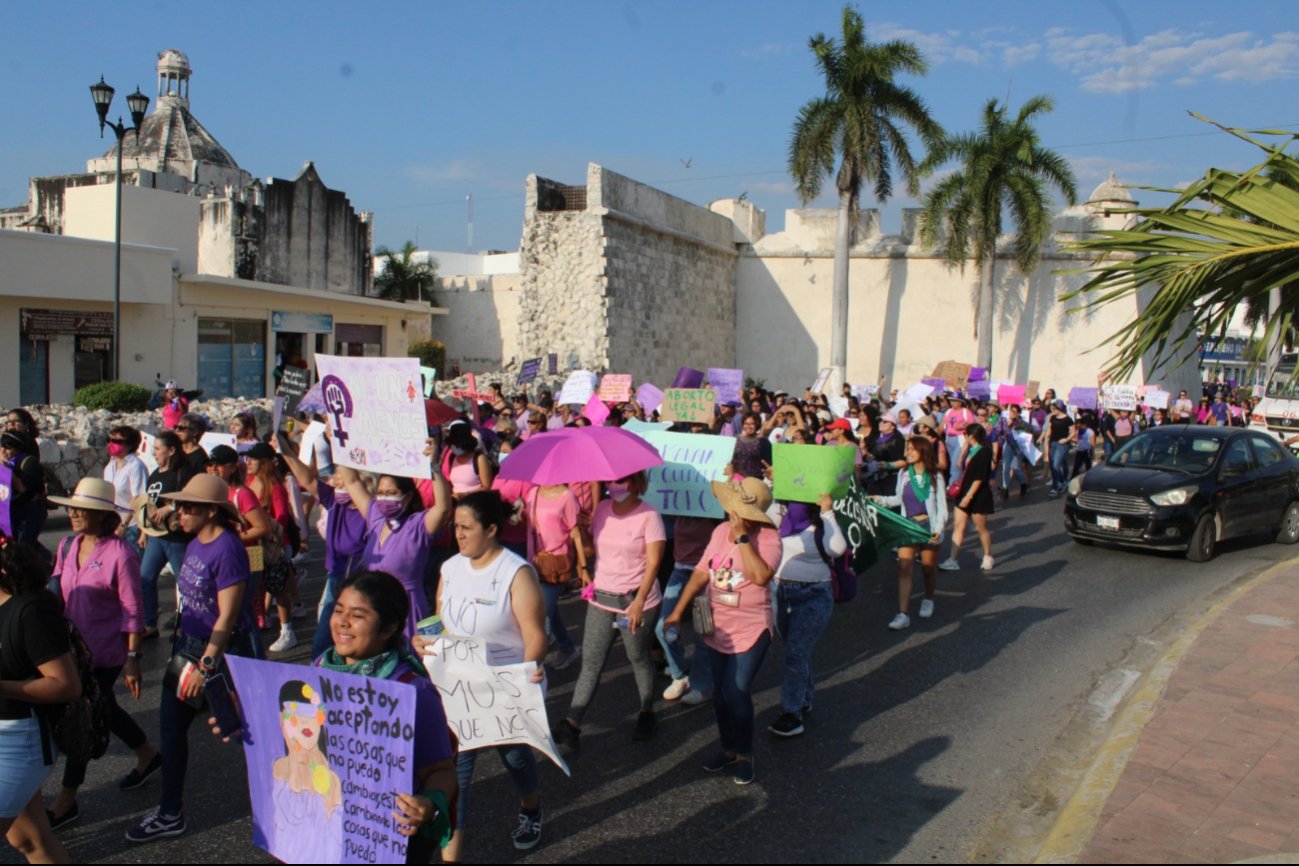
(1075, 486)
(1176, 496)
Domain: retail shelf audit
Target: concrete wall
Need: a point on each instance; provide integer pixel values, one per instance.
(481, 328)
(149, 216)
(451, 264)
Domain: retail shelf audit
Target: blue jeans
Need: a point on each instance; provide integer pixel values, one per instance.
(1059, 465)
(553, 592)
(802, 613)
(519, 762)
(324, 639)
(1011, 465)
(733, 695)
(678, 665)
(158, 553)
(953, 444)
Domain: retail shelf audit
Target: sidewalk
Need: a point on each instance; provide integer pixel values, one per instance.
(1214, 776)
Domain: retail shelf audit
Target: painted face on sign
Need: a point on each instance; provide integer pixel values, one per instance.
(302, 724)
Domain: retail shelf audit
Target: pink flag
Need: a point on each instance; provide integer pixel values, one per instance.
(596, 411)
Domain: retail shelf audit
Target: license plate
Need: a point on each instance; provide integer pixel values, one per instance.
(1107, 522)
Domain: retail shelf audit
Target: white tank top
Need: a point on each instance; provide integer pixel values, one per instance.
(476, 603)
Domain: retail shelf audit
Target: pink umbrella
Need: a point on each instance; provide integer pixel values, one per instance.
(579, 454)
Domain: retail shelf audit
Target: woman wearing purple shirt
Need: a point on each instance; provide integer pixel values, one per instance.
(98, 576)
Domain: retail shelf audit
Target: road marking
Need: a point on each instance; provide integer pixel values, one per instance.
(1077, 821)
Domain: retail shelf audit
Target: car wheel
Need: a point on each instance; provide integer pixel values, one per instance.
(1289, 531)
(1202, 541)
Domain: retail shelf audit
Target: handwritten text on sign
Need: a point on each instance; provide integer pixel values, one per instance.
(327, 754)
(693, 405)
(375, 411)
(803, 472)
(490, 705)
(691, 462)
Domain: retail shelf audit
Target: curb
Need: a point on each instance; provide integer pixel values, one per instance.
(1077, 821)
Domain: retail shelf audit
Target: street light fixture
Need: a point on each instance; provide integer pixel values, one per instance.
(137, 103)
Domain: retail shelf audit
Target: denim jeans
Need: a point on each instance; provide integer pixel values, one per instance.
(802, 613)
(158, 553)
(553, 592)
(1059, 465)
(1012, 465)
(953, 459)
(324, 639)
(733, 694)
(678, 665)
(519, 762)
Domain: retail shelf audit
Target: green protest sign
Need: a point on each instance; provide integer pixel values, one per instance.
(693, 405)
(803, 472)
(872, 529)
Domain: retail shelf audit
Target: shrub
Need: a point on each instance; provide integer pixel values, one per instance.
(431, 353)
(113, 396)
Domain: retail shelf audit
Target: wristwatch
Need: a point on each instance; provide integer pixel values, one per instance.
(208, 664)
(133, 654)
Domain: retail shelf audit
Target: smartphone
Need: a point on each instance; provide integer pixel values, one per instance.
(221, 700)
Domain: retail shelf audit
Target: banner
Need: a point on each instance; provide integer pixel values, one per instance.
(637, 426)
(872, 530)
(728, 384)
(688, 377)
(615, 387)
(803, 472)
(326, 753)
(694, 405)
(6, 494)
(1119, 397)
(375, 414)
(596, 411)
(691, 461)
(294, 382)
(649, 397)
(578, 388)
(528, 372)
(1083, 398)
(490, 705)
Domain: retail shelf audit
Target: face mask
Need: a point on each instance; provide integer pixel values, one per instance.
(389, 506)
(116, 449)
(618, 491)
(500, 458)
(457, 450)
(343, 498)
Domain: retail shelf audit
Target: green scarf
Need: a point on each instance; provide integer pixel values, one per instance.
(974, 450)
(920, 488)
(380, 667)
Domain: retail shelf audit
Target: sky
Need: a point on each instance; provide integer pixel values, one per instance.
(410, 107)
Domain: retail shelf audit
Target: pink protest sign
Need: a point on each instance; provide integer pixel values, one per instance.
(596, 411)
(1007, 394)
(615, 387)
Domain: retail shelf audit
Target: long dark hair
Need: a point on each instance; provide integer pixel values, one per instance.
(22, 568)
(388, 598)
(410, 501)
(925, 451)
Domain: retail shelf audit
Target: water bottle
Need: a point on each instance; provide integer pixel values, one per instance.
(672, 633)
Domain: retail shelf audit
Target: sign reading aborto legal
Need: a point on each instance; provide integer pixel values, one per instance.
(692, 405)
(375, 411)
(803, 472)
(691, 461)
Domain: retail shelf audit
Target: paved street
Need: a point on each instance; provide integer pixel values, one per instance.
(942, 743)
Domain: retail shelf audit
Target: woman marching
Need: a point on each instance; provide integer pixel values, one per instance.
(973, 498)
(922, 496)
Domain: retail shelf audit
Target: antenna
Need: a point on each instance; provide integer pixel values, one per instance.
(469, 245)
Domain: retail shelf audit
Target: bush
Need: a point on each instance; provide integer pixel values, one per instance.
(431, 353)
(113, 396)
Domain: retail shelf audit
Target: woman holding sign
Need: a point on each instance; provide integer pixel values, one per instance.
(922, 496)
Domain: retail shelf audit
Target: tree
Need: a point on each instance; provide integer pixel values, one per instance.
(403, 278)
(1228, 239)
(1003, 170)
(861, 119)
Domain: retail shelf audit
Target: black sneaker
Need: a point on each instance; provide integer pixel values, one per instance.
(65, 819)
(719, 762)
(528, 833)
(646, 726)
(156, 825)
(788, 725)
(566, 734)
(135, 778)
(744, 772)
(1023, 490)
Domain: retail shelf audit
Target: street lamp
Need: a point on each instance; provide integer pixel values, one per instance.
(138, 104)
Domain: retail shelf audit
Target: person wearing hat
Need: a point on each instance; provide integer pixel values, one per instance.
(174, 405)
(958, 417)
(734, 576)
(928, 427)
(215, 621)
(98, 576)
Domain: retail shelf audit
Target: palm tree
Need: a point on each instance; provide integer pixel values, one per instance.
(403, 278)
(1004, 171)
(1228, 239)
(861, 118)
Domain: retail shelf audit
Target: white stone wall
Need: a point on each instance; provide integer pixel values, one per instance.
(481, 328)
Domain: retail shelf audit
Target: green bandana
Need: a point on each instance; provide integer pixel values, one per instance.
(921, 487)
(380, 667)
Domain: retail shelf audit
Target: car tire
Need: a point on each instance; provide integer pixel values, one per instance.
(1289, 531)
(1202, 540)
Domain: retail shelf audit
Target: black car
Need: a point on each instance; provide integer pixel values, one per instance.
(1187, 487)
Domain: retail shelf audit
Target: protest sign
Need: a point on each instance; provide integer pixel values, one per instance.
(804, 472)
(1157, 399)
(688, 377)
(578, 388)
(552, 364)
(208, 441)
(326, 752)
(375, 414)
(6, 494)
(690, 463)
(727, 383)
(649, 397)
(978, 374)
(490, 705)
(145, 451)
(935, 384)
(528, 372)
(1031, 389)
(1258, 390)
(871, 529)
(430, 377)
(294, 382)
(838, 405)
(979, 390)
(916, 393)
(1031, 452)
(1083, 398)
(1119, 397)
(693, 405)
(615, 387)
(1011, 394)
(277, 414)
(596, 411)
(637, 426)
(954, 375)
(472, 393)
(307, 448)
(865, 393)
(822, 378)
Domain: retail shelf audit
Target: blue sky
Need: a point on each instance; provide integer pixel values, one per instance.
(408, 107)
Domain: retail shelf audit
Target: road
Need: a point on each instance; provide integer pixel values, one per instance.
(942, 743)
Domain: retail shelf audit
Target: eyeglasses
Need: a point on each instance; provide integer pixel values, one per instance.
(534, 421)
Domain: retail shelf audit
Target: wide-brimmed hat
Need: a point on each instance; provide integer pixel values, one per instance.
(207, 490)
(927, 421)
(749, 499)
(92, 494)
(143, 507)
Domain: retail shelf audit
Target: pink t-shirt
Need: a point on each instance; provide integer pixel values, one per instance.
(172, 410)
(620, 549)
(512, 491)
(103, 598)
(554, 518)
(956, 420)
(738, 625)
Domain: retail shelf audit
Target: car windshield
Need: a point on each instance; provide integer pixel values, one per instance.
(1283, 385)
(1178, 451)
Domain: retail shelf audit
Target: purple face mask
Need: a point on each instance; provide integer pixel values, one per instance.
(389, 506)
(618, 490)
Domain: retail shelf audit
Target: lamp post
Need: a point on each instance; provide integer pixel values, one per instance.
(137, 103)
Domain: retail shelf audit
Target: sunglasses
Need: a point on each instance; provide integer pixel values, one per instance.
(534, 422)
(117, 441)
(184, 427)
(192, 507)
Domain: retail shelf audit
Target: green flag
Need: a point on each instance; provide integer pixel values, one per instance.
(872, 529)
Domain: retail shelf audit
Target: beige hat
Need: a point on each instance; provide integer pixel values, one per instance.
(207, 490)
(92, 494)
(143, 507)
(749, 499)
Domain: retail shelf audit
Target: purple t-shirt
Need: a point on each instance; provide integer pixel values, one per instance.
(344, 528)
(911, 504)
(208, 569)
(404, 555)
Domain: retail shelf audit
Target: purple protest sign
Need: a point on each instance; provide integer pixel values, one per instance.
(6, 492)
(552, 364)
(649, 397)
(1084, 398)
(529, 371)
(727, 382)
(937, 384)
(326, 752)
(688, 377)
(978, 374)
(375, 411)
(979, 390)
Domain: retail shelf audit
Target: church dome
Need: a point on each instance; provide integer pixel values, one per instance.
(1110, 194)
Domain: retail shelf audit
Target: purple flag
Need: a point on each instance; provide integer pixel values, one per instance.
(6, 492)
(688, 377)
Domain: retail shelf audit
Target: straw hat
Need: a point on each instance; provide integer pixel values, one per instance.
(207, 490)
(92, 494)
(748, 499)
(144, 508)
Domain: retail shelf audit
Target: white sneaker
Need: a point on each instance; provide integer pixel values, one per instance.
(677, 689)
(694, 697)
(926, 608)
(987, 563)
(949, 565)
(900, 622)
(286, 641)
(563, 660)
